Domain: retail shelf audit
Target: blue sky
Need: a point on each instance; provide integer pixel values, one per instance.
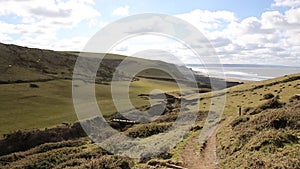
(244, 31)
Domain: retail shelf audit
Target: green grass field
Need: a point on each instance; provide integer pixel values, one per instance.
(51, 104)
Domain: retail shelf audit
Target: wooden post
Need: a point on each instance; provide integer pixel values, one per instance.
(240, 110)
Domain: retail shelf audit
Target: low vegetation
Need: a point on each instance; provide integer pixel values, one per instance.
(81, 153)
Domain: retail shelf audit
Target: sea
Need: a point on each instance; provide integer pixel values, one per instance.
(244, 72)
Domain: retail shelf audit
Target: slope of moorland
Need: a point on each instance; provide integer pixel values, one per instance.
(36, 84)
(22, 64)
(266, 135)
(268, 139)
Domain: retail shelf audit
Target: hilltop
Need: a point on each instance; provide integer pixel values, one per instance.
(23, 64)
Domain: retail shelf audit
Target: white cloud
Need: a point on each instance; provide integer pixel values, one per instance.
(272, 19)
(72, 44)
(121, 11)
(286, 3)
(156, 47)
(293, 17)
(272, 38)
(74, 10)
(38, 22)
(205, 19)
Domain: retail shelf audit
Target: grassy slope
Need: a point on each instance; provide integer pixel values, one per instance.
(65, 154)
(228, 137)
(251, 95)
(235, 144)
(270, 139)
(21, 64)
(23, 107)
(19, 101)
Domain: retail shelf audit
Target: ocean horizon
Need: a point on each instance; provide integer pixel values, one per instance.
(245, 72)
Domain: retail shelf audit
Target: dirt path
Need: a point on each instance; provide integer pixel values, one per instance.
(206, 159)
(193, 158)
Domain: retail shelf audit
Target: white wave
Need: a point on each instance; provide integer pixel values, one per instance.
(231, 74)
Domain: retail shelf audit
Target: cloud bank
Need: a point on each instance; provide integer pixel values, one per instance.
(272, 38)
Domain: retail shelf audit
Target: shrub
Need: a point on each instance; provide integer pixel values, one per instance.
(271, 104)
(248, 109)
(239, 120)
(32, 85)
(294, 98)
(146, 130)
(268, 96)
(24, 140)
(109, 162)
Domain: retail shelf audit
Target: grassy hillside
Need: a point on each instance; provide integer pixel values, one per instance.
(23, 107)
(36, 86)
(81, 153)
(269, 139)
(22, 64)
(251, 95)
(266, 135)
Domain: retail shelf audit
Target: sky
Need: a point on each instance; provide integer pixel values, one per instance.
(244, 31)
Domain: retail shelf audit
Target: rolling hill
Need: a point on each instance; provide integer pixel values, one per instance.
(265, 135)
(37, 84)
(22, 64)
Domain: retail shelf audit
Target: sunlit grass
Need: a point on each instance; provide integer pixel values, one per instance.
(51, 104)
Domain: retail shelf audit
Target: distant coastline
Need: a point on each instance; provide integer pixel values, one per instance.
(244, 72)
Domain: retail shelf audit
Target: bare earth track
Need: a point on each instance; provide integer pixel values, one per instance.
(206, 159)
